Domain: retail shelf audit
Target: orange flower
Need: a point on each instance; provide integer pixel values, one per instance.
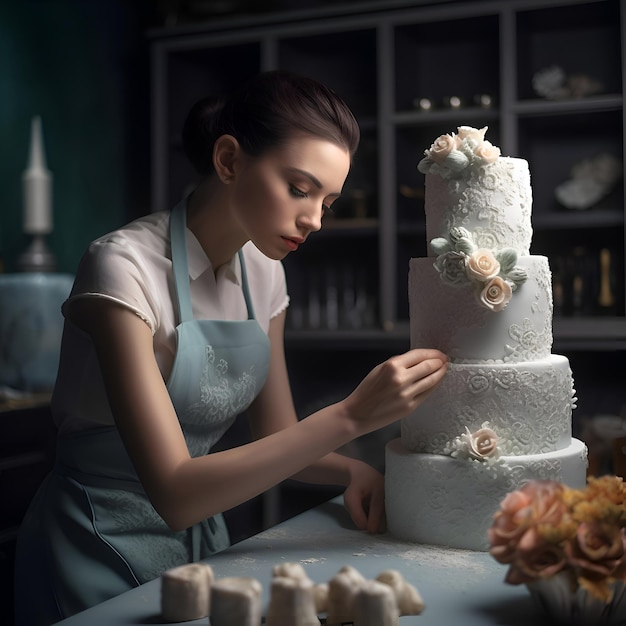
(597, 550)
(535, 558)
(536, 504)
(544, 528)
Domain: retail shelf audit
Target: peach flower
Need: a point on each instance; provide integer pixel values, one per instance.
(536, 503)
(442, 147)
(496, 294)
(483, 443)
(597, 550)
(487, 152)
(468, 132)
(535, 558)
(482, 265)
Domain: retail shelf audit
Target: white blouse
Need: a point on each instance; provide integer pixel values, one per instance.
(132, 266)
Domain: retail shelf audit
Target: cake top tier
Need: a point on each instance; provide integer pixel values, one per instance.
(470, 185)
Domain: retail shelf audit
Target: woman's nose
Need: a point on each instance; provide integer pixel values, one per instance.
(311, 219)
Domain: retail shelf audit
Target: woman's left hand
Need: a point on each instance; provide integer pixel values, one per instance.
(364, 498)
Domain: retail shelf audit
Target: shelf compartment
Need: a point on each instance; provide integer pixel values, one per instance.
(333, 284)
(563, 37)
(344, 61)
(452, 58)
(553, 145)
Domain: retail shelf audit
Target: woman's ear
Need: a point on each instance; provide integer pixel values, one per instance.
(225, 152)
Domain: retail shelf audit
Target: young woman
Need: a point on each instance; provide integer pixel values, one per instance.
(174, 327)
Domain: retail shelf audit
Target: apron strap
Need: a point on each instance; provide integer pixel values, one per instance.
(178, 243)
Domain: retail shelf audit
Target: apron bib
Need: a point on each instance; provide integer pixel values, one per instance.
(90, 532)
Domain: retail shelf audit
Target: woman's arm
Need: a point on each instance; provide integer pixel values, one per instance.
(185, 490)
(273, 410)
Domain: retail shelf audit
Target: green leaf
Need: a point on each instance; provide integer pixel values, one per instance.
(507, 258)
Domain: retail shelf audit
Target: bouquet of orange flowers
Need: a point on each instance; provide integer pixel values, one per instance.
(546, 528)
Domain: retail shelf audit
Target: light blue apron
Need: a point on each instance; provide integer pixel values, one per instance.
(90, 532)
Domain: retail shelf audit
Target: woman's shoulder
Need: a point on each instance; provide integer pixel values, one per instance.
(147, 230)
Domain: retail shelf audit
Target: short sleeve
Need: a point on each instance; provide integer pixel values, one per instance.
(116, 268)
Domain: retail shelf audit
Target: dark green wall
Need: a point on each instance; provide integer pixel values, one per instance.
(82, 66)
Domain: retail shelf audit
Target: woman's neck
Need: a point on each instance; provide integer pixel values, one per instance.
(210, 220)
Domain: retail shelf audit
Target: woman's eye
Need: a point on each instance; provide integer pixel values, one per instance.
(298, 193)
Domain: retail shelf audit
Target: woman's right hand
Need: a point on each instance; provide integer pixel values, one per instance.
(394, 388)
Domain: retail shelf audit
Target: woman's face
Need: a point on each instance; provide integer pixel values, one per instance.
(279, 198)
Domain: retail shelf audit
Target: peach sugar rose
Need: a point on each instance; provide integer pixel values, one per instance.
(483, 443)
(442, 147)
(482, 265)
(487, 152)
(496, 294)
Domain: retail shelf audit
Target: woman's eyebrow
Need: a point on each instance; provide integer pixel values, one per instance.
(312, 178)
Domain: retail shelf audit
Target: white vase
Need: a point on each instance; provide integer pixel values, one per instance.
(578, 607)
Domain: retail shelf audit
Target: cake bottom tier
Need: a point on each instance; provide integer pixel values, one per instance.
(435, 499)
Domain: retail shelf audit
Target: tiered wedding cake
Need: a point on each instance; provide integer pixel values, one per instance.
(502, 415)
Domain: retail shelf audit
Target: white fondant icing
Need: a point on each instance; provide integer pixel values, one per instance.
(493, 201)
(434, 499)
(528, 405)
(452, 320)
(502, 415)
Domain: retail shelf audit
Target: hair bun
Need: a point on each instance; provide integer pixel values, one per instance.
(200, 131)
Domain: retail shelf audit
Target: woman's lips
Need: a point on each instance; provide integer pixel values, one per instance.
(293, 242)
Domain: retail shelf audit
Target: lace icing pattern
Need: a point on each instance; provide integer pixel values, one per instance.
(481, 200)
(480, 490)
(529, 409)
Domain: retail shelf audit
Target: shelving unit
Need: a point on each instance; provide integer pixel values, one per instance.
(382, 59)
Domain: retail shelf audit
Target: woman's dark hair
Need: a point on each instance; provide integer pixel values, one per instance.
(265, 113)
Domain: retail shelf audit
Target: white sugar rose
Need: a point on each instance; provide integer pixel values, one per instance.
(482, 265)
(483, 444)
(468, 132)
(496, 294)
(452, 267)
(441, 148)
(487, 152)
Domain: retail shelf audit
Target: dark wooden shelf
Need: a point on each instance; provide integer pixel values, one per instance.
(570, 219)
(590, 104)
(437, 116)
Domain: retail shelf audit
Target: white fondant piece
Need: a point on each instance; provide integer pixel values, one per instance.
(186, 592)
(353, 574)
(435, 499)
(289, 570)
(320, 593)
(408, 598)
(375, 605)
(451, 319)
(236, 602)
(292, 601)
(529, 406)
(492, 201)
(342, 588)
